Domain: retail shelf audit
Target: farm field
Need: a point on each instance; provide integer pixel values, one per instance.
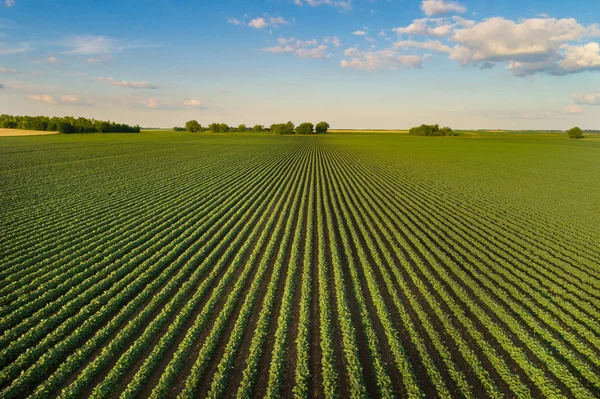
(343, 265)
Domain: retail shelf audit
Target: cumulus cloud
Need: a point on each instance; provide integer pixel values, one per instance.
(129, 84)
(580, 58)
(342, 4)
(96, 45)
(359, 33)
(528, 46)
(382, 59)
(8, 70)
(302, 48)
(587, 98)
(437, 27)
(436, 7)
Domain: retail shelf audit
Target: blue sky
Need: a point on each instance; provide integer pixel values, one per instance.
(529, 64)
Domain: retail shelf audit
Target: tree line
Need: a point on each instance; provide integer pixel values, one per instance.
(66, 124)
(276, 128)
(432, 130)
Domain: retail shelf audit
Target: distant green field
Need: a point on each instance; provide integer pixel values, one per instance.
(343, 265)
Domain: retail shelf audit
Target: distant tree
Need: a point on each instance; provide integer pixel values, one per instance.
(242, 128)
(575, 133)
(305, 128)
(283, 128)
(192, 126)
(432, 130)
(66, 127)
(322, 127)
(289, 128)
(223, 128)
(179, 129)
(258, 128)
(214, 127)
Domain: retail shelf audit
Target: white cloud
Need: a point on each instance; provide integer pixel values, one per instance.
(74, 100)
(333, 40)
(434, 45)
(528, 46)
(9, 3)
(154, 103)
(258, 23)
(267, 21)
(359, 33)
(52, 60)
(235, 21)
(192, 103)
(129, 84)
(302, 48)
(587, 98)
(47, 98)
(382, 59)
(574, 109)
(64, 100)
(342, 4)
(436, 7)
(6, 49)
(8, 70)
(437, 27)
(96, 45)
(580, 58)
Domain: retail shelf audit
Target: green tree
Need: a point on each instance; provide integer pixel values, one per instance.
(242, 128)
(192, 126)
(322, 127)
(214, 127)
(258, 128)
(305, 128)
(575, 133)
(223, 128)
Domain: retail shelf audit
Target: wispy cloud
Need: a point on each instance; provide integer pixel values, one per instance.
(267, 21)
(129, 84)
(11, 71)
(64, 100)
(382, 59)
(157, 104)
(9, 3)
(302, 48)
(7, 49)
(97, 45)
(587, 98)
(359, 33)
(342, 4)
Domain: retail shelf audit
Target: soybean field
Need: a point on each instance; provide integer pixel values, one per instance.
(338, 266)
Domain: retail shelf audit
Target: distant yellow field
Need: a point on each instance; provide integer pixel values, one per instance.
(18, 132)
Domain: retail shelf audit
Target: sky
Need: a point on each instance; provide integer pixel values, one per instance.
(378, 64)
